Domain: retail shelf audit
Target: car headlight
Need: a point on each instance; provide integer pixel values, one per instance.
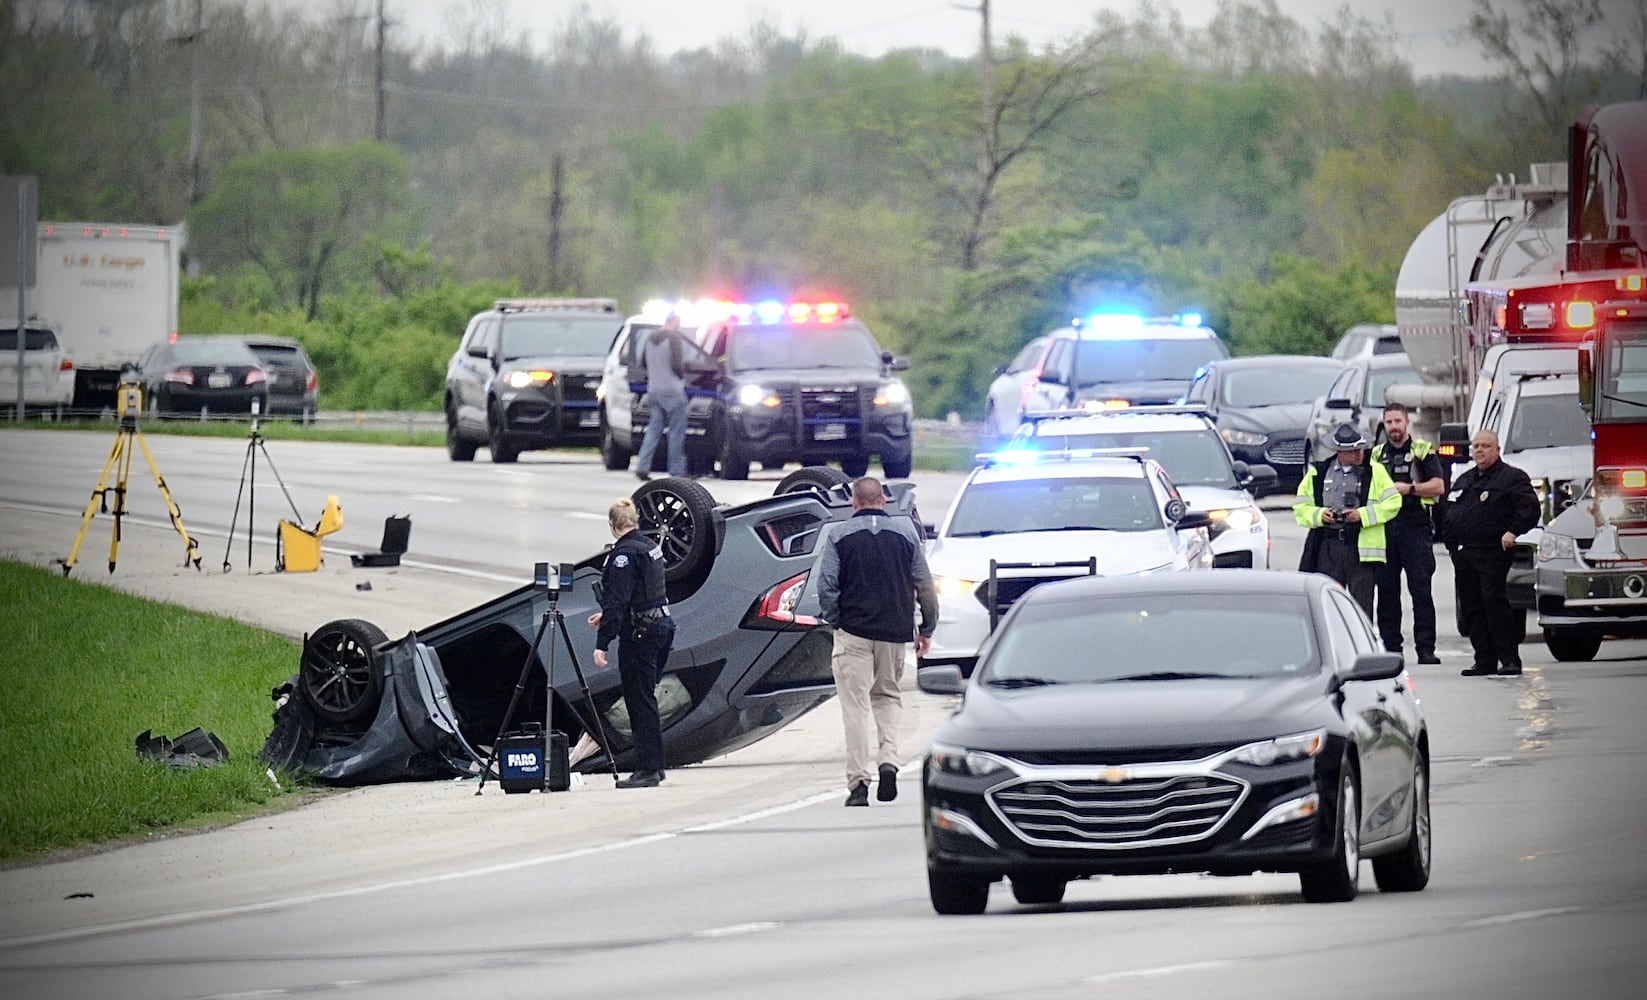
(953, 586)
(1239, 519)
(526, 379)
(1554, 546)
(1282, 748)
(967, 763)
(753, 394)
(893, 393)
(1248, 438)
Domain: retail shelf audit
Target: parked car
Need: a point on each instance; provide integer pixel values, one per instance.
(1366, 340)
(525, 375)
(1026, 517)
(48, 368)
(1187, 445)
(748, 658)
(623, 415)
(1227, 723)
(1356, 396)
(1111, 360)
(1007, 401)
(293, 382)
(1262, 407)
(214, 374)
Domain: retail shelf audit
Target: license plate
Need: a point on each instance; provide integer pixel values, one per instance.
(830, 432)
(218, 380)
(591, 419)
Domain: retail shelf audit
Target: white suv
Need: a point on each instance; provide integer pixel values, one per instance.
(1027, 517)
(1186, 443)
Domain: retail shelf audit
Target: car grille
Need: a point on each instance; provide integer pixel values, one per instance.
(1290, 451)
(1009, 588)
(1131, 813)
(830, 413)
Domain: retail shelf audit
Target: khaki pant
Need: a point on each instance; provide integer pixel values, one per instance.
(867, 677)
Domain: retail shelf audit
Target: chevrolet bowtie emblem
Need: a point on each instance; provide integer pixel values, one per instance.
(1114, 775)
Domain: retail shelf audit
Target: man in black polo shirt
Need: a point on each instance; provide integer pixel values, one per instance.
(1489, 505)
(1409, 545)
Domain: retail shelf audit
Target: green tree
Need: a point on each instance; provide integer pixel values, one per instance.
(1301, 307)
(297, 216)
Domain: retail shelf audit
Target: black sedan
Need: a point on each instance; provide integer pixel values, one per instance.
(1233, 722)
(215, 374)
(746, 662)
(1262, 407)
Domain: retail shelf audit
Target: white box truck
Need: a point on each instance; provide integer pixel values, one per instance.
(109, 289)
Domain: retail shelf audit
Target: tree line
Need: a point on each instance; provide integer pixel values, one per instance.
(1266, 174)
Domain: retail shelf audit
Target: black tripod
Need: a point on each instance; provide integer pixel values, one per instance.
(551, 616)
(254, 444)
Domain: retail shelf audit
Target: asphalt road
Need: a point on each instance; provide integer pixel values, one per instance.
(746, 878)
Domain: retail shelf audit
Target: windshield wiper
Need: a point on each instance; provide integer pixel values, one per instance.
(1166, 675)
(1066, 527)
(1020, 682)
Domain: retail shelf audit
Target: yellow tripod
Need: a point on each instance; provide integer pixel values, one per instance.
(129, 401)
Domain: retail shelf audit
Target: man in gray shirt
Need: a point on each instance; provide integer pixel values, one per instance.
(665, 399)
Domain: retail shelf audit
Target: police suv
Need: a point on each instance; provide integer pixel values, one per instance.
(1026, 517)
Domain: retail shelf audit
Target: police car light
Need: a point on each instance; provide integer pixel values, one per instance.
(769, 311)
(1112, 325)
(1189, 319)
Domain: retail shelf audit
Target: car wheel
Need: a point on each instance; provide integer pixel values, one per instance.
(457, 449)
(1572, 647)
(502, 452)
(1033, 890)
(614, 455)
(1408, 870)
(821, 478)
(957, 895)
(1338, 879)
(679, 514)
(734, 463)
(896, 466)
(855, 466)
(339, 676)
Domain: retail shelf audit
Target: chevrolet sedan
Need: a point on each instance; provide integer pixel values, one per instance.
(1227, 723)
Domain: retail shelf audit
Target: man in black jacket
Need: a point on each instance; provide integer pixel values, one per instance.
(871, 573)
(1490, 504)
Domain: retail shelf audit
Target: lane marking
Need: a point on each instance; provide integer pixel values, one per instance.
(1157, 972)
(732, 930)
(1515, 918)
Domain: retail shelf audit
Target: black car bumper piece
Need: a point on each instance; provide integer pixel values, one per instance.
(186, 399)
(540, 420)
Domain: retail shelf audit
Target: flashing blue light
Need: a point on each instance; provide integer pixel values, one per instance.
(1010, 455)
(1189, 319)
(770, 311)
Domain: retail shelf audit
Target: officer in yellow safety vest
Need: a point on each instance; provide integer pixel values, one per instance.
(1409, 540)
(1345, 502)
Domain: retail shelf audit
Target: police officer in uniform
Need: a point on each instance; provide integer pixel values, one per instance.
(1490, 504)
(635, 611)
(1345, 502)
(1409, 544)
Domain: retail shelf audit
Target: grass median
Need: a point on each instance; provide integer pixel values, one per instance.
(86, 669)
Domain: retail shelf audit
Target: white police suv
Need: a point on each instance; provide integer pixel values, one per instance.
(1186, 443)
(1025, 517)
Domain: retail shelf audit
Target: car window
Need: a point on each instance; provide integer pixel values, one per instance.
(1258, 387)
(279, 354)
(538, 335)
(1056, 367)
(1547, 422)
(1108, 504)
(1362, 639)
(1388, 345)
(1145, 360)
(1340, 388)
(1027, 357)
(1624, 373)
(760, 348)
(1191, 458)
(213, 352)
(1338, 631)
(1200, 390)
(1380, 379)
(1112, 639)
(34, 339)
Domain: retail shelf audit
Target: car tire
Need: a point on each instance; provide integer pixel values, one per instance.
(956, 895)
(614, 455)
(821, 478)
(680, 515)
(1572, 647)
(457, 449)
(1338, 879)
(502, 452)
(897, 466)
(855, 466)
(734, 463)
(339, 677)
(1408, 870)
(1038, 890)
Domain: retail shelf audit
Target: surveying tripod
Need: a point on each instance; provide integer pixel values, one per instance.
(253, 446)
(129, 402)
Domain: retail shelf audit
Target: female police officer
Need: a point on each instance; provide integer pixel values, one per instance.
(635, 609)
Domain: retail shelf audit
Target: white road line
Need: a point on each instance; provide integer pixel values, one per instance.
(735, 929)
(1515, 918)
(1157, 972)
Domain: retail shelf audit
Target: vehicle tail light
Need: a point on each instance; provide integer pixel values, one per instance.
(256, 377)
(65, 365)
(312, 382)
(180, 376)
(776, 608)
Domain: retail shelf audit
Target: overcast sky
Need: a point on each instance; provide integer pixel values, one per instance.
(1428, 29)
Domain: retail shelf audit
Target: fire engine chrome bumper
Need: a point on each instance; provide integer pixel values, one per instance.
(1607, 588)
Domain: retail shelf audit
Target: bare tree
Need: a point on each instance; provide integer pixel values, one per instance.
(1543, 52)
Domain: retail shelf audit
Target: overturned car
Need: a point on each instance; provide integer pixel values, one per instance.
(747, 660)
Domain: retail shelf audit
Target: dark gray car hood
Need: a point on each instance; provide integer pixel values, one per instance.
(1287, 417)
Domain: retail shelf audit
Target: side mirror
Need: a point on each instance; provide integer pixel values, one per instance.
(1340, 404)
(1000, 370)
(1193, 519)
(476, 351)
(1262, 479)
(929, 532)
(895, 362)
(1375, 667)
(946, 679)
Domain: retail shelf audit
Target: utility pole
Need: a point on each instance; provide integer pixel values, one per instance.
(380, 132)
(194, 103)
(557, 209)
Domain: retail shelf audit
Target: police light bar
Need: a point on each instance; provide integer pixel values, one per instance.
(1026, 454)
(527, 305)
(1109, 325)
(1195, 409)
